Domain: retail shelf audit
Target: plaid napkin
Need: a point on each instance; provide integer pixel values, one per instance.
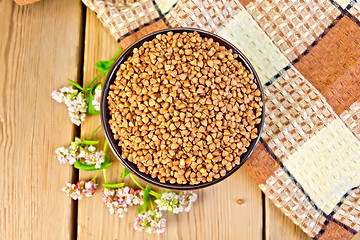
(307, 56)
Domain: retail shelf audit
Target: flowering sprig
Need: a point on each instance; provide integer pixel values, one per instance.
(151, 222)
(81, 101)
(118, 200)
(80, 189)
(82, 154)
(69, 154)
(176, 203)
(75, 102)
(81, 150)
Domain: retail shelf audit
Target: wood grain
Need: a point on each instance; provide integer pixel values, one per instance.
(216, 215)
(280, 227)
(356, 237)
(39, 48)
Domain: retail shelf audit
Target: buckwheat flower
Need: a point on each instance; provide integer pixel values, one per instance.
(91, 157)
(79, 151)
(65, 156)
(118, 200)
(75, 145)
(176, 203)
(91, 149)
(70, 154)
(112, 202)
(138, 197)
(62, 154)
(75, 102)
(90, 188)
(79, 190)
(58, 96)
(187, 199)
(64, 94)
(77, 107)
(130, 196)
(97, 96)
(151, 222)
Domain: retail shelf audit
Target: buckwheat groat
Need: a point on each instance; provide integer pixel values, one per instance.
(184, 109)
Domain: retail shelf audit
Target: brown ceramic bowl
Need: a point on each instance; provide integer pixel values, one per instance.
(105, 116)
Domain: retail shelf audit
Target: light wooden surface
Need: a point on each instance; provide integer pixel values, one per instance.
(280, 227)
(40, 46)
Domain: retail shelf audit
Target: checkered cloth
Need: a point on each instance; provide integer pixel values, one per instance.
(307, 55)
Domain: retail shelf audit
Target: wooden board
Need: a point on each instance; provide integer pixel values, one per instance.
(39, 48)
(280, 227)
(216, 215)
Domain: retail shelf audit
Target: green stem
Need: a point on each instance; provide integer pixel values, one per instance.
(155, 194)
(136, 182)
(105, 177)
(102, 80)
(89, 85)
(116, 54)
(92, 134)
(152, 206)
(93, 179)
(105, 146)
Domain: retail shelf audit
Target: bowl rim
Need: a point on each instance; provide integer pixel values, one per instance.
(104, 111)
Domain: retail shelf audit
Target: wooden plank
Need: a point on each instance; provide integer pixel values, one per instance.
(39, 48)
(280, 227)
(216, 215)
(356, 237)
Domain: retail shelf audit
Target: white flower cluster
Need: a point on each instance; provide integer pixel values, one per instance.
(79, 151)
(79, 190)
(151, 222)
(91, 157)
(118, 200)
(75, 102)
(97, 96)
(176, 203)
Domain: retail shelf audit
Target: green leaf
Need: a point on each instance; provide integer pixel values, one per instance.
(113, 185)
(81, 166)
(91, 108)
(142, 208)
(104, 66)
(89, 142)
(75, 84)
(124, 173)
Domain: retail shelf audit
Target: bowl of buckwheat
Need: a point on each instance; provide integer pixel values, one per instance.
(182, 108)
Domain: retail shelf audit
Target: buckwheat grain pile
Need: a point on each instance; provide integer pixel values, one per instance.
(184, 109)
